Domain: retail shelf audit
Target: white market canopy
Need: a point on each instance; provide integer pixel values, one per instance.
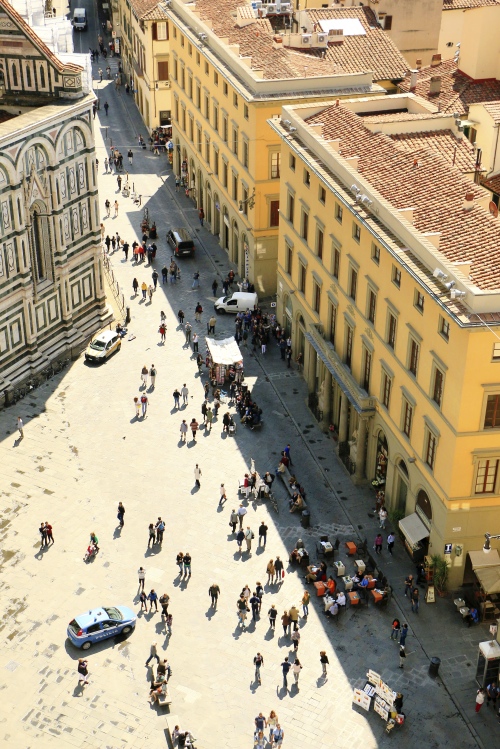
(413, 529)
(481, 559)
(225, 352)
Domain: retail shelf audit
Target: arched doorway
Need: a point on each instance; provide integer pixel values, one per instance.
(300, 343)
(200, 195)
(402, 485)
(381, 461)
(225, 229)
(208, 208)
(216, 215)
(423, 508)
(236, 242)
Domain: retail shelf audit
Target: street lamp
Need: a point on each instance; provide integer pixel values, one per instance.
(487, 545)
(249, 202)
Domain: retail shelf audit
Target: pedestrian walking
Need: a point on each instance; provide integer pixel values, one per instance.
(272, 722)
(152, 535)
(222, 492)
(382, 517)
(492, 694)
(242, 609)
(121, 514)
(402, 656)
(378, 543)
(279, 572)
(285, 621)
(49, 534)
(187, 564)
(408, 585)
(215, 286)
(255, 604)
(116, 208)
(20, 428)
(183, 430)
(258, 662)
(272, 614)
(415, 600)
(305, 603)
(270, 571)
(144, 289)
(396, 628)
(130, 156)
(168, 623)
(153, 599)
(153, 653)
(404, 635)
(154, 276)
(263, 533)
(43, 535)
(176, 394)
(164, 601)
(160, 530)
(177, 183)
(249, 535)
(141, 574)
(119, 182)
(201, 215)
(240, 537)
(242, 511)
(211, 325)
(233, 520)
(196, 280)
(194, 428)
(144, 404)
(195, 343)
(390, 542)
(323, 659)
(285, 667)
(107, 206)
(197, 475)
(152, 375)
(187, 332)
(106, 105)
(144, 600)
(179, 560)
(83, 671)
(151, 291)
(184, 393)
(295, 637)
(209, 416)
(296, 669)
(135, 286)
(480, 695)
(214, 593)
(162, 331)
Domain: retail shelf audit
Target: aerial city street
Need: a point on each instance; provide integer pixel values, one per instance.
(249, 331)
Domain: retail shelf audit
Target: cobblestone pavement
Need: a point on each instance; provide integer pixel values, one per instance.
(84, 450)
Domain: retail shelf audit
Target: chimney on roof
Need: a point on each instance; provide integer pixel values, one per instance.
(413, 79)
(415, 162)
(435, 85)
(468, 203)
(418, 64)
(337, 103)
(436, 60)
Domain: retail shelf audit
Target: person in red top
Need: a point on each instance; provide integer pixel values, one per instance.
(194, 428)
(48, 533)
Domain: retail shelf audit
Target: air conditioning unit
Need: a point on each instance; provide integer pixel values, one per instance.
(285, 8)
(270, 8)
(322, 38)
(256, 4)
(306, 39)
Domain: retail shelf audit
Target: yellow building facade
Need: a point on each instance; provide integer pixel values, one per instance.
(388, 285)
(142, 31)
(230, 73)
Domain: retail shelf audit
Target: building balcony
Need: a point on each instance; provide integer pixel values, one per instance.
(363, 404)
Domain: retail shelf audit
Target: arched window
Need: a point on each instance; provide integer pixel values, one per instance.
(14, 76)
(37, 236)
(28, 76)
(423, 507)
(42, 77)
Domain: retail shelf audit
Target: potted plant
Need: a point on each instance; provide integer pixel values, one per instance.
(440, 577)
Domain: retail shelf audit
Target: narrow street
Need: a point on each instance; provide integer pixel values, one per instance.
(84, 450)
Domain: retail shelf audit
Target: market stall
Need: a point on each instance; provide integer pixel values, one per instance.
(225, 360)
(386, 703)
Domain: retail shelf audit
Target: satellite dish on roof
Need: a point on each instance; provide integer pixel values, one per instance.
(493, 209)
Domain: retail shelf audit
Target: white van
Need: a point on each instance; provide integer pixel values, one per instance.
(80, 19)
(240, 301)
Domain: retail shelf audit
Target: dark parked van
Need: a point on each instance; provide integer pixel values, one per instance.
(181, 242)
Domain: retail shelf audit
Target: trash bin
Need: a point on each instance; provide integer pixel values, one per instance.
(305, 520)
(434, 666)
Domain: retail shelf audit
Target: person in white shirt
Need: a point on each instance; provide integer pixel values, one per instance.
(241, 512)
(334, 609)
(296, 669)
(341, 599)
(222, 494)
(197, 475)
(184, 393)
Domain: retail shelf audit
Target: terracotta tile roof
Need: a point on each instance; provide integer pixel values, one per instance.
(142, 8)
(6, 116)
(155, 14)
(458, 91)
(24, 27)
(374, 50)
(493, 184)
(433, 187)
(493, 109)
(400, 117)
(453, 150)
(256, 41)
(465, 4)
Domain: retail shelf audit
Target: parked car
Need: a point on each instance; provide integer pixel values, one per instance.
(240, 301)
(99, 624)
(181, 242)
(103, 346)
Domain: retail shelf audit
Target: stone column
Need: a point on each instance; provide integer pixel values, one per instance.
(327, 400)
(361, 451)
(343, 418)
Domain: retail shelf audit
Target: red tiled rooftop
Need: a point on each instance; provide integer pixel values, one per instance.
(458, 91)
(459, 152)
(466, 4)
(431, 186)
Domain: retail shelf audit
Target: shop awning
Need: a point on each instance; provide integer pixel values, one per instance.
(413, 529)
(489, 578)
(480, 559)
(225, 352)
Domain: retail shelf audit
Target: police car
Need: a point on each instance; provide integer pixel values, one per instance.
(99, 624)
